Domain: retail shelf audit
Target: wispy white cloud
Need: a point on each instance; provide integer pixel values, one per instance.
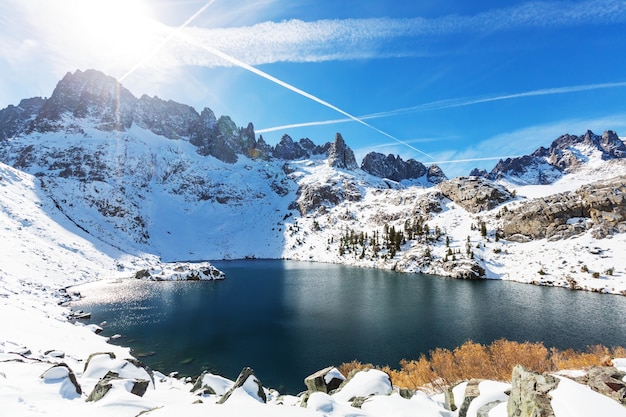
(451, 103)
(346, 39)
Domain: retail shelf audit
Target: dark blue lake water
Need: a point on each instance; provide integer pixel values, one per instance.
(287, 319)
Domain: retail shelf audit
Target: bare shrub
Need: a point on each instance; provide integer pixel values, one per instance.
(443, 368)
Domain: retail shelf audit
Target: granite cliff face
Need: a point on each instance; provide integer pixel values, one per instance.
(599, 207)
(475, 194)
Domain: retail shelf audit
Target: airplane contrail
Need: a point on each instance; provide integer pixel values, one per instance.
(296, 90)
(455, 161)
(451, 103)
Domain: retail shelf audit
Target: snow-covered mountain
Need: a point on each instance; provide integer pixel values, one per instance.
(150, 177)
(97, 184)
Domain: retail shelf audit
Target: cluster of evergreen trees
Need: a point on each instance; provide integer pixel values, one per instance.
(389, 241)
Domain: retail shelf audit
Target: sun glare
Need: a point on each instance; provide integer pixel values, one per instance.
(116, 31)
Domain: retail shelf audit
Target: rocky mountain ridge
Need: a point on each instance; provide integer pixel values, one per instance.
(565, 155)
(153, 176)
(108, 106)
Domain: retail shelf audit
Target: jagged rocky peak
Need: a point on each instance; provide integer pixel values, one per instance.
(87, 94)
(166, 118)
(435, 174)
(340, 155)
(527, 169)
(15, 119)
(566, 154)
(479, 173)
(396, 169)
(475, 194)
(288, 149)
(106, 105)
(392, 167)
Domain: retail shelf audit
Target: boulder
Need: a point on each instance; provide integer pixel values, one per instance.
(475, 194)
(472, 391)
(208, 383)
(248, 383)
(106, 383)
(606, 380)
(62, 373)
(530, 394)
(325, 380)
(363, 384)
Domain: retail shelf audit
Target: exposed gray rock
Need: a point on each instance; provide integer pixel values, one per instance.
(88, 94)
(166, 118)
(247, 374)
(528, 169)
(435, 175)
(203, 131)
(62, 371)
(530, 394)
(392, 167)
(475, 194)
(606, 380)
(288, 149)
(105, 384)
(316, 195)
(15, 119)
(321, 381)
(600, 206)
(486, 409)
(479, 173)
(463, 269)
(472, 392)
(449, 402)
(200, 386)
(340, 155)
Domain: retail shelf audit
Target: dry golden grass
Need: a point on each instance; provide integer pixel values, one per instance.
(443, 367)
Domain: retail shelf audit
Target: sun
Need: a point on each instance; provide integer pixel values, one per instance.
(116, 33)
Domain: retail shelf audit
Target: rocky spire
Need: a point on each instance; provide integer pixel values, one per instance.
(340, 155)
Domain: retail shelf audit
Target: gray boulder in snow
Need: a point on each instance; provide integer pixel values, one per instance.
(606, 380)
(530, 394)
(248, 382)
(472, 392)
(107, 382)
(63, 374)
(324, 380)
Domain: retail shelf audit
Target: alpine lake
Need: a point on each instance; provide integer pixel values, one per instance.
(288, 319)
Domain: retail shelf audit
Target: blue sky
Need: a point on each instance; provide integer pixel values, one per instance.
(453, 82)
